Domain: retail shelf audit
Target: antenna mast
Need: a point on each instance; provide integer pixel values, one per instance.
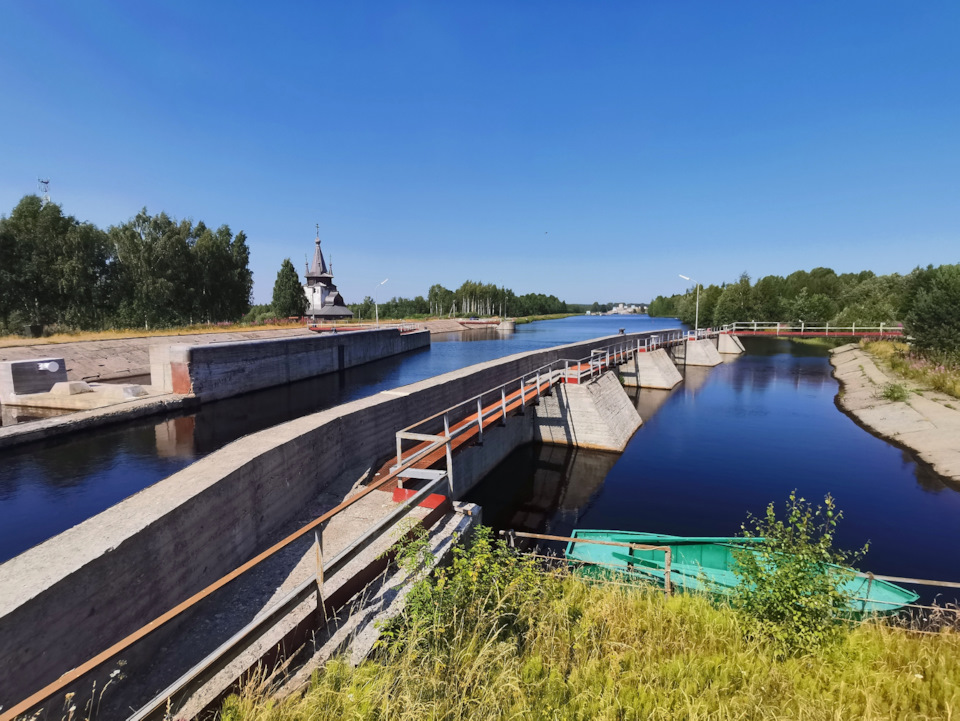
(44, 186)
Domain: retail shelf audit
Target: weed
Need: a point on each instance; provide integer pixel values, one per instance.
(893, 392)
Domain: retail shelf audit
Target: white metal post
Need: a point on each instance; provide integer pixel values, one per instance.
(479, 422)
(446, 434)
(503, 405)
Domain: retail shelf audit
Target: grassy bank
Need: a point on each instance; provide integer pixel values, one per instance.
(72, 337)
(496, 638)
(940, 373)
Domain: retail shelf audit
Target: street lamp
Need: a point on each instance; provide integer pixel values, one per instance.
(696, 321)
(376, 307)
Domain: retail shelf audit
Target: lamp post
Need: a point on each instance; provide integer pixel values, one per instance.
(376, 307)
(696, 321)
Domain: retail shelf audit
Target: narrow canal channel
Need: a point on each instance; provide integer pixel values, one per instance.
(46, 488)
(726, 441)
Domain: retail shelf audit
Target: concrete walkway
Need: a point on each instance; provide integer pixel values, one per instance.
(928, 422)
(125, 357)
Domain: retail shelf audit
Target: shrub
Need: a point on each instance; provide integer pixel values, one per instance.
(790, 586)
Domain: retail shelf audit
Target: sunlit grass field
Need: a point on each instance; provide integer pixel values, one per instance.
(563, 648)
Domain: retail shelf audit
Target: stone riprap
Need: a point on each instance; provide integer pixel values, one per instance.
(926, 424)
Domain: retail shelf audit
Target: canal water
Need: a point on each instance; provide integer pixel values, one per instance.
(725, 442)
(49, 487)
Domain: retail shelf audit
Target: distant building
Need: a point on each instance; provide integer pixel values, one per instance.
(323, 298)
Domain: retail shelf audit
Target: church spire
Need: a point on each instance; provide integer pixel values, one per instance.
(318, 268)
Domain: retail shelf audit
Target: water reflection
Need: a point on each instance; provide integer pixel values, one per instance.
(531, 490)
(731, 439)
(50, 486)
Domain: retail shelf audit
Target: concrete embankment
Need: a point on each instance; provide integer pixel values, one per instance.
(925, 423)
(74, 595)
(185, 375)
(220, 370)
(123, 358)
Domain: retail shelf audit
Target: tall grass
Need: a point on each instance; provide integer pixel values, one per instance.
(937, 371)
(568, 649)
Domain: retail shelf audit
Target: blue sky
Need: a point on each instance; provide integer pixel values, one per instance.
(592, 150)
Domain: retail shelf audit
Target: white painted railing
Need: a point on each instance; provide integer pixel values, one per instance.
(494, 402)
(801, 327)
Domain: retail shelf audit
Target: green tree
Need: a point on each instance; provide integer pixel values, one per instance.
(933, 318)
(156, 271)
(735, 303)
(288, 296)
(812, 309)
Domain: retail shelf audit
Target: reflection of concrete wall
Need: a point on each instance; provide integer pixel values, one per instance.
(221, 370)
(99, 581)
(175, 437)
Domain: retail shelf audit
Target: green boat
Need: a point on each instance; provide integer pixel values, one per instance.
(705, 564)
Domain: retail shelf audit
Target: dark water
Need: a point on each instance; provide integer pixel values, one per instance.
(727, 442)
(49, 487)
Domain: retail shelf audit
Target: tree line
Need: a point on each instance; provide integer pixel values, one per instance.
(926, 301)
(470, 299)
(151, 271)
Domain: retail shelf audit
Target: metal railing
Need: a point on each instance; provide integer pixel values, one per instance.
(511, 535)
(517, 393)
(800, 327)
(471, 416)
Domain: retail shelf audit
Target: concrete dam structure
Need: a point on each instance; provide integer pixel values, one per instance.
(98, 583)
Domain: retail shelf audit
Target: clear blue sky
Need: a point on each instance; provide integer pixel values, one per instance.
(593, 150)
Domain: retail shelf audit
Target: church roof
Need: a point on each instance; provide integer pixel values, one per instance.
(318, 268)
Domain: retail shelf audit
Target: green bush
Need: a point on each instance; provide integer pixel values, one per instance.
(789, 590)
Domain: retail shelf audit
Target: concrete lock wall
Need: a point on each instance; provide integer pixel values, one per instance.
(727, 343)
(651, 370)
(220, 370)
(74, 595)
(596, 415)
(696, 353)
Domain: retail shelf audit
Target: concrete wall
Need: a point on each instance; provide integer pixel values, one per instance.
(35, 375)
(74, 595)
(651, 370)
(729, 344)
(697, 353)
(598, 415)
(221, 370)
